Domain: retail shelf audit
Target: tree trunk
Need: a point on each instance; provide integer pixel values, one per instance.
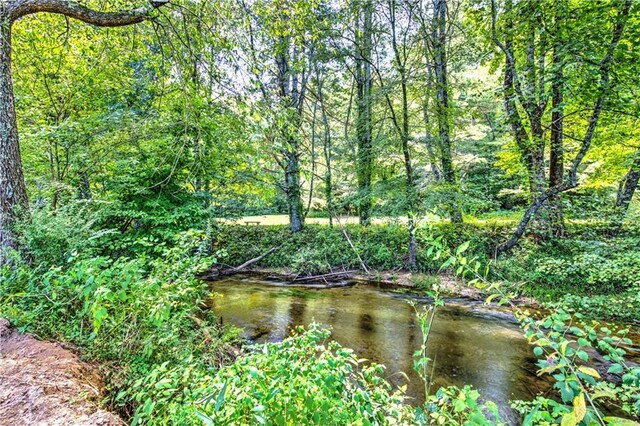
(556, 153)
(328, 184)
(364, 158)
(443, 111)
(313, 159)
(291, 95)
(428, 137)
(294, 196)
(626, 189)
(13, 192)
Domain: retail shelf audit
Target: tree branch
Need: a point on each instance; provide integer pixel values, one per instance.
(72, 9)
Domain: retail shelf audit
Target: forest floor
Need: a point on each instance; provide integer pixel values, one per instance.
(43, 383)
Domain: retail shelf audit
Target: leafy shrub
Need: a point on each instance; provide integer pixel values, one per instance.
(586, 266)
(134, 314)
(306, 379)
(309, 261)
(382, 247)
(51, 238)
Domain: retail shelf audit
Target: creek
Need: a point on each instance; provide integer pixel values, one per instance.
(470, 343)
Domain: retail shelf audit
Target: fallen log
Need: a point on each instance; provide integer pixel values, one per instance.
(331, 275)
(215, 272)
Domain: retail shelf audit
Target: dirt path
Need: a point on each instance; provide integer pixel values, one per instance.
(41, 383)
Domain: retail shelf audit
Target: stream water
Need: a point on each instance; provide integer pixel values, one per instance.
(470, 343)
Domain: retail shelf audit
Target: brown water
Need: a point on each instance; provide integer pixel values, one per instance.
(470, 344)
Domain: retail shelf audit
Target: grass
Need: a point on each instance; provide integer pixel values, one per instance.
(283, 219)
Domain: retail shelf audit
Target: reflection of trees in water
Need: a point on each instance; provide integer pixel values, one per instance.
(446, 350)
(366, 323)
(297, 308)
(465, 349)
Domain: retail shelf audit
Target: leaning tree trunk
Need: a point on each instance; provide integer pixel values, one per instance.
(627, 188)
(13, 192)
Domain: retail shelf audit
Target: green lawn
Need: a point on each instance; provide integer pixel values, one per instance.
(283, 219)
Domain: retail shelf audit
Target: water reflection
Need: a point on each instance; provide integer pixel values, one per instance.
(468, 346)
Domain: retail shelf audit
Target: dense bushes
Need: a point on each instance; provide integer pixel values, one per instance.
(589, 262)
(382, 247)
(131, 314)
(309, 379)
(602, 266)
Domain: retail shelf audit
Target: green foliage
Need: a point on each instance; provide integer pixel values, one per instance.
(564, 343)
(451, 405)
(135, 314)
(605, 265)
(382, 247)
(306, 379)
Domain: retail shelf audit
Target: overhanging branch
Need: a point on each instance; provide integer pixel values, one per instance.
(72, 9)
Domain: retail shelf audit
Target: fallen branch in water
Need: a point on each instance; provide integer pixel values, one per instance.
(323, 277)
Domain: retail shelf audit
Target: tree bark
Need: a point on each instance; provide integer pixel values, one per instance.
(326, 147)
(626, 189)
(291, 95)
(443, 111)
(401, 124)
(556, 153)
(13, 192)
(364, 160)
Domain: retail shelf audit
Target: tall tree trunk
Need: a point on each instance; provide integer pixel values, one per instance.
(292, 183)
(401, 125)
(326, 145)
(428, 137)
(13, 192)
(364, 137)
(313, 159)
(443, 111)
(556, 153)
(290, 95)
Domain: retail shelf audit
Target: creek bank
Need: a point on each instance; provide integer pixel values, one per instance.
(43, 383)
(450, 286)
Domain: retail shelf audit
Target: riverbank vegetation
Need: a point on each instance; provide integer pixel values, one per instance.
(489, 141)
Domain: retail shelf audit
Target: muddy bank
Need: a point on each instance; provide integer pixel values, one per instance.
(42, 383)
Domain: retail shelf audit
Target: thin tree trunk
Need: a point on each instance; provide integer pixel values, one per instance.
(364, 158)
(13, 192)
(328, 184)
(443, 111)
(428, 137)
(556, 153)
(313, 159)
